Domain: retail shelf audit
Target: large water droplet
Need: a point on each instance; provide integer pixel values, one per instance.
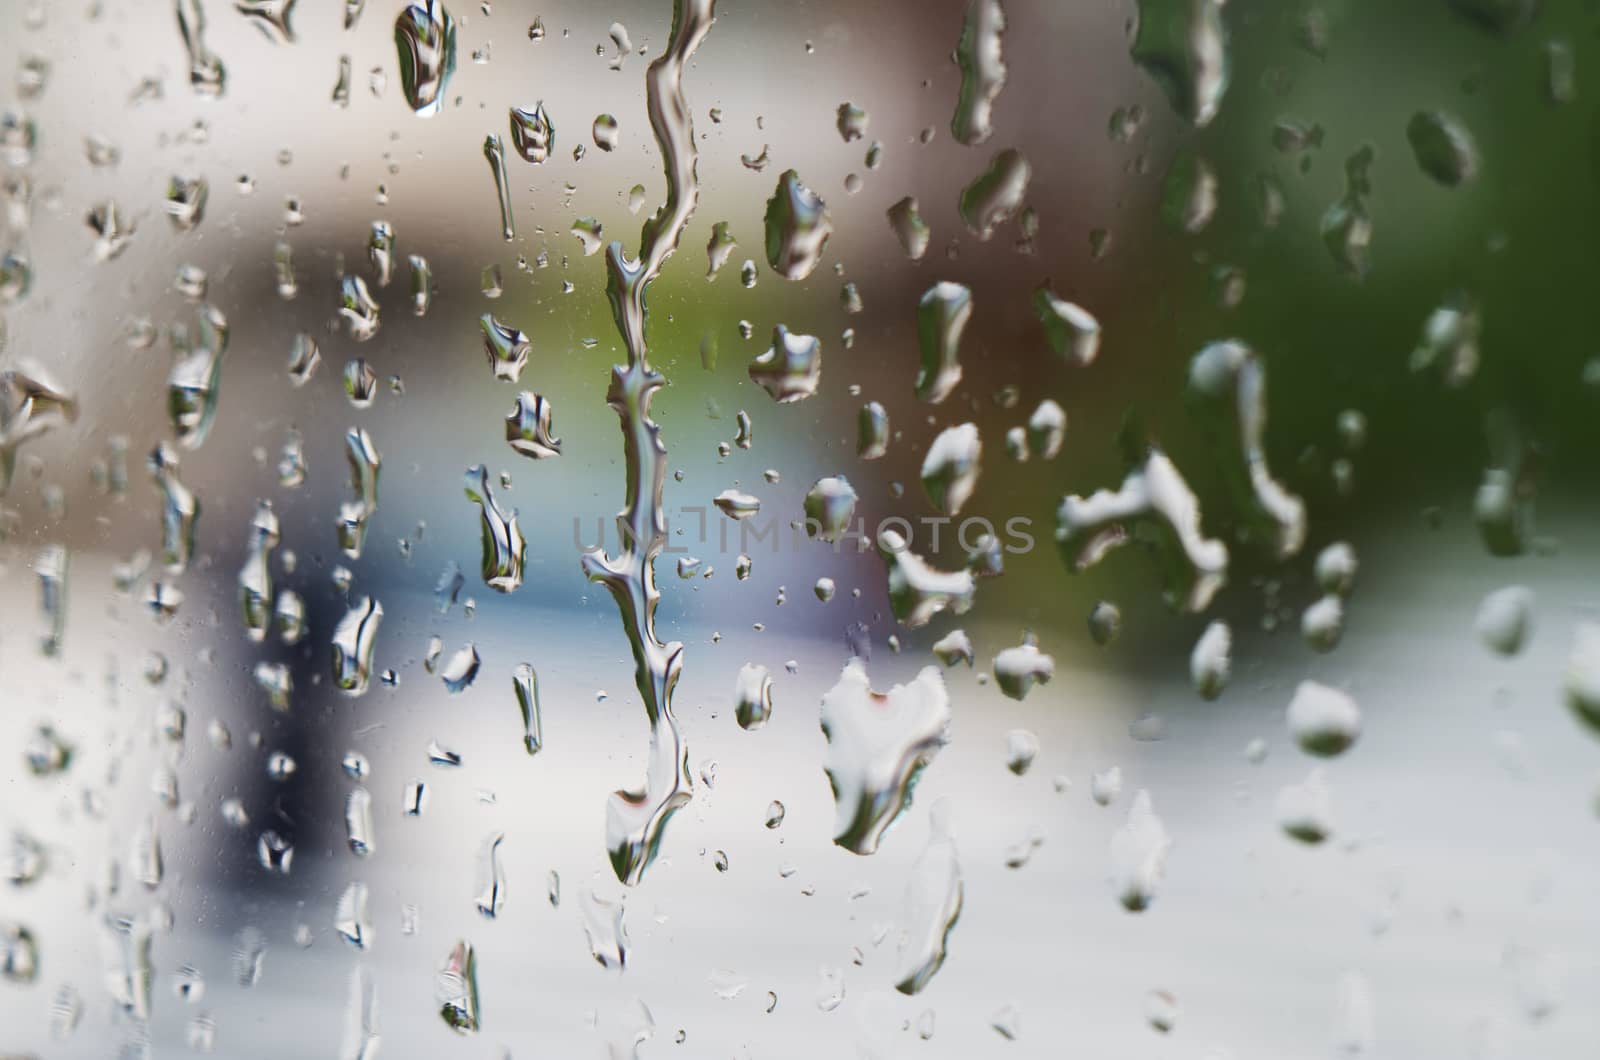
(791, 368)
(1139, 855)
(1228, 389)
(255, 577)
(983, 73)
(878, 745)
(179, 510)
(1324, 721)
(1443, 147)
(931, 906)
(950, 470)
(1153, 496)
(797, 227)
(425, 39)
(491, 877)
(996, 194)
(942, 316)
(1183, 45)
(494, 153)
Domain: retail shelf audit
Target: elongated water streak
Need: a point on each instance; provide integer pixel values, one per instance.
(635, 820)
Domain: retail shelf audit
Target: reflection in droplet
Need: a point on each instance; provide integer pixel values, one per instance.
(528, 430)
(179, 510)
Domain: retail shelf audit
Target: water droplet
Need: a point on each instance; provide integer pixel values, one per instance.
(878, 744)
(1047, 429)
(736, 505)
(179, 510)
(1505, 619)
(1071, 330)
(192, 384)
(380, 252)
(491, 877)
(186, 201)
(353, 641)
(606, 134)
(358, 821)
(589, 234)
(271, 17)
(274, 853)
(340, 95)
(113, 233)
(1017, 669)
(455, 989)
(1322, 623)
(461, 669)
(1007, 1021)
(504, 549)
(996, 194)
(942, 316)
(1139, 855)
(494, 153)
(359, 309)
(1324, 721)
(414, 798)
(1228, 386)
(908, 227)
(950, 470)
(255, 577)
(1189, 198)
(983, 71)
(1211, 661)
(954, 647)
(797, 228)
(1346, 226)
(1161, 1011)
(533, 135)
(421, 285)
(425, 40)
(1443, 147)
(207, 75)
(1305, 810)
(355, 516)
(1182, 44)
(851, 122)
(791, 368)
(1156, 494)
(917, 591)
(19, 953)
(350, 918)
(602, 923)
(505, 346)
(753, 696)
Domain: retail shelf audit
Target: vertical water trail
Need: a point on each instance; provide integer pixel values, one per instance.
(635, 820)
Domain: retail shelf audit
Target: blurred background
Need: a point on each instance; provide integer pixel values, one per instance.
(1448, 913)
